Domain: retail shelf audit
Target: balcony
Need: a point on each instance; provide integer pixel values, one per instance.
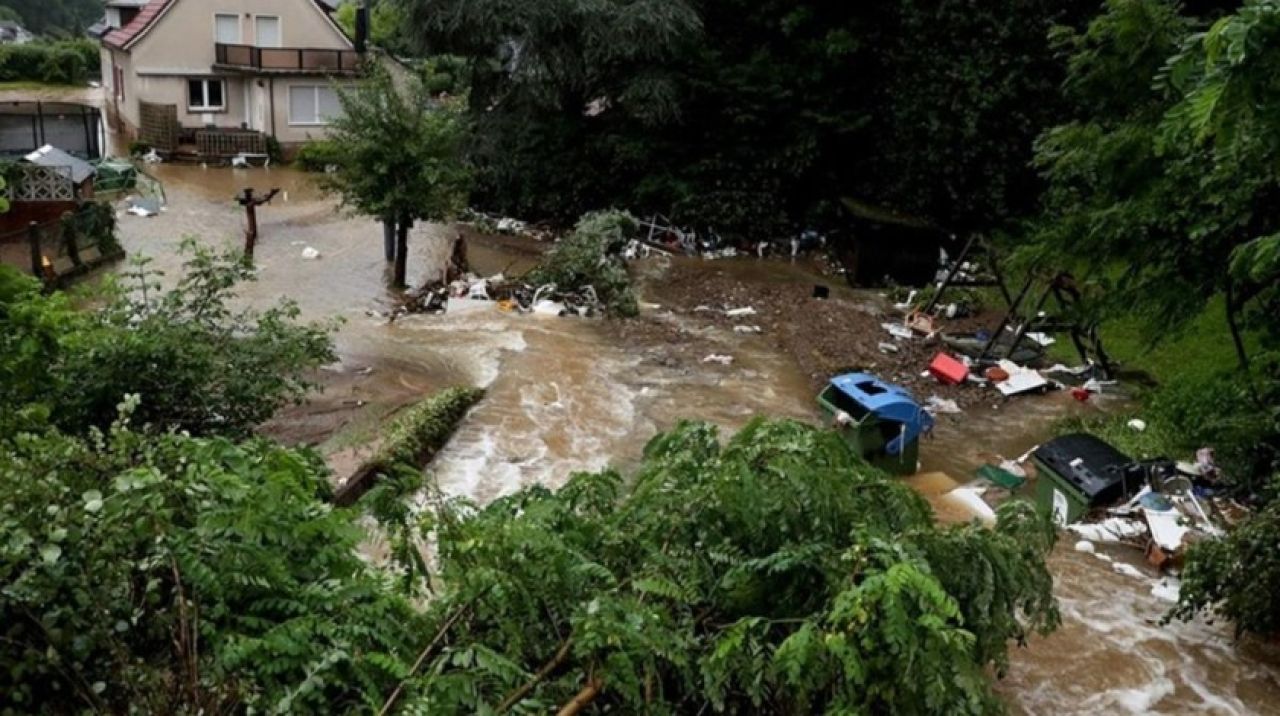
(285, 60)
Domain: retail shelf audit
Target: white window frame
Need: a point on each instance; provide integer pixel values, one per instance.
(257, 42)
(239, 28)
(206, 107)
(316, 101)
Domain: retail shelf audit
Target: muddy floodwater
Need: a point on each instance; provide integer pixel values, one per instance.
(566, 395)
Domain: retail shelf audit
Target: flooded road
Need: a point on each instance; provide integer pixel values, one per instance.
(567, 395)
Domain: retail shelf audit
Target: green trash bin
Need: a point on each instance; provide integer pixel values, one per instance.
(881, 421)
(1079, 472)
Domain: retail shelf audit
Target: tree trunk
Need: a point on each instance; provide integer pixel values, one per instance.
(389, 238)
(402, 251)
(582, 699)
(1242, 356)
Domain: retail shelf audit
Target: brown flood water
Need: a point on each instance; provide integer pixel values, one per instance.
(567, 395)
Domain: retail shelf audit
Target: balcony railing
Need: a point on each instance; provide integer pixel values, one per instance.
(286, 60)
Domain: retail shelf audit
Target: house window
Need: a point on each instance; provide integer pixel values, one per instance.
(266, 29)
(313, 104)
(205, 95)
(227, 29)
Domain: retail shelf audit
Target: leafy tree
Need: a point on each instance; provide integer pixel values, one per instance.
(197, 364)
(170, 574)
(66, 18)
(386, 23)
(398, 156)
(776, 574)
(751, 117)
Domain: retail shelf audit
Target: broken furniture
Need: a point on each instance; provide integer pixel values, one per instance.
(881, 421)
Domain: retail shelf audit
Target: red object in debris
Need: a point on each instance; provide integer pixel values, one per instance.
(997, 375)
(1080, 394)
(948, 370)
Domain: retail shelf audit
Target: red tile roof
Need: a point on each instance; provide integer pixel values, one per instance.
(121, 38)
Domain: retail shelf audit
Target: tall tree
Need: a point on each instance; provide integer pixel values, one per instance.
(398, 156)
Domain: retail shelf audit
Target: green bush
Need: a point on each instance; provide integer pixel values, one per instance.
(58, 62)
(317, 155)
(591, 256)
(166, 574)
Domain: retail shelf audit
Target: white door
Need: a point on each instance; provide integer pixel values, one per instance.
(266, 30)
(261, 106)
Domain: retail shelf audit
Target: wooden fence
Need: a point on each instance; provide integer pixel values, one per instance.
(159, 126)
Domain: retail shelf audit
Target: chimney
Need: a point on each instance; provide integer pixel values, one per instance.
(362, 27)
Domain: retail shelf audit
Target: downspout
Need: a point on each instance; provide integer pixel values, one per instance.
(272, 92)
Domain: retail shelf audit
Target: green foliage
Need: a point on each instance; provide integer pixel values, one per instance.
(776, 574)
(95, 222)
(317, 156)
(1237, 577)
(58, 62)
(170, 574)
(591, 256)
(398, 153)
(386, 24)
(416, 434)
(744, 116)
(197, 364)
(63, 18)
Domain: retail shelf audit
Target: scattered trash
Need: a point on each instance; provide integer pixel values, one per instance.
(747, 329)
(1127, 570)
(310, 253)
(938, 405)
(1113, 530)
(507, 225)
(1138, 424)
(152, 157)
(821, 292)
(1080, 394)
(948, 370)
(907, 304)
(738, 312)
(971, 499)
(1085, 546)
(1020, 380)
(1044, 339)
(721, 359)
(996, 374)
(897, 330)
(1001, 477)
(143, 206)
(1014, 467)
(888, 347)
(922, 323)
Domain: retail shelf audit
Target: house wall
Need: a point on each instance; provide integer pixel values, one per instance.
(181, 42)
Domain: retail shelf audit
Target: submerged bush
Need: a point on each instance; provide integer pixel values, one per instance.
(591, 256)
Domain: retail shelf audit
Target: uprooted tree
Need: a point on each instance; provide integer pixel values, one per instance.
(397, 155)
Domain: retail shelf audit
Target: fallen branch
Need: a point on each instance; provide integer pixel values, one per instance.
(583, 699)
(562, 654)
(391, 700)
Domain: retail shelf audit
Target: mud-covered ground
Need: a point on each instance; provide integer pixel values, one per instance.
(824, 336)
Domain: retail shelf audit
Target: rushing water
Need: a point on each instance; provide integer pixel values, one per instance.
(567, 395)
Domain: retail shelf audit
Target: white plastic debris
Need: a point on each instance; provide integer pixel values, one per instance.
(897, 330)
(1014, 467)
(911, 299)
(971, 499)
(508, 225)
(938, 405)
(1085, 546)
(478, 291)
(152, 157)
(547, 307)
(717, 358)
(1166, 528)
(744, 311)
(1127, 570)
(1043, 339)
(310, 253)
(1021, 380)
(1112, 529)
(747, 329)
(1137, 424)
(1167, 590)
(888, 347)
(702, 309)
